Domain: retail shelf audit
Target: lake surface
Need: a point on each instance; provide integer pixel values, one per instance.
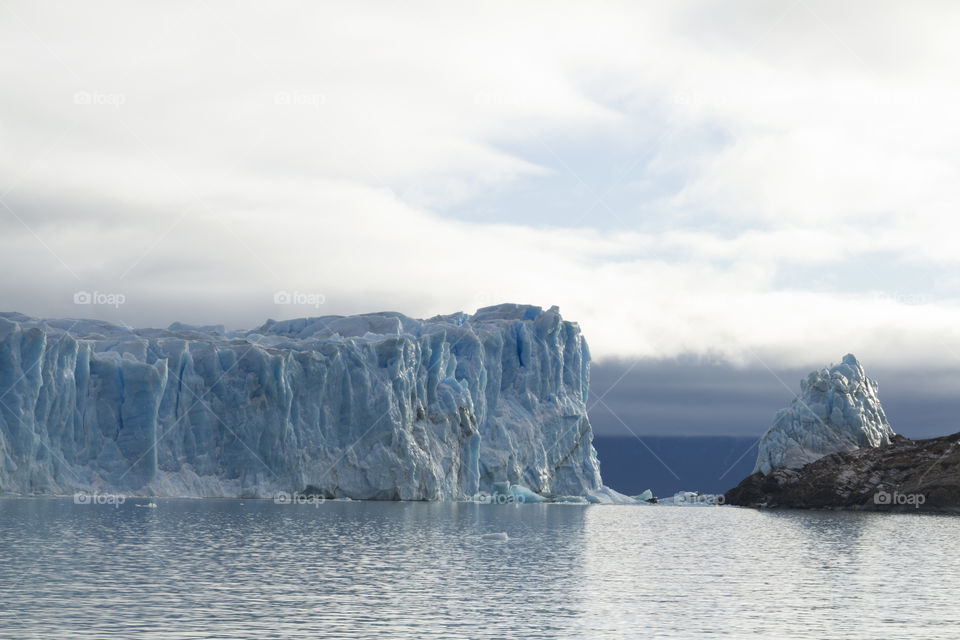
(254, 569)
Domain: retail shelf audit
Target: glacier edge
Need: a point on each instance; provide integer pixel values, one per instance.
(375, 406)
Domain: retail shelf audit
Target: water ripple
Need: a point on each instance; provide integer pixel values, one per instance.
(254, 569)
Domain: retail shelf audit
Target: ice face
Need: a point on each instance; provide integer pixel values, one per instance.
(837, 410)
(377, 406)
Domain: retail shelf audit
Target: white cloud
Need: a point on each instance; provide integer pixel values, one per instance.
(217, 154)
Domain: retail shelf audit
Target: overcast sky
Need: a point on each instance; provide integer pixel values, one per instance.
(765, 184)
(692, 397)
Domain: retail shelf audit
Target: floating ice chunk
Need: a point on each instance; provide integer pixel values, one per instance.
(500, 536)
(606, 495)
(506, 493)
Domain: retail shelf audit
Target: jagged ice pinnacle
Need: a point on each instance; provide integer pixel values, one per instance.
(837, 410)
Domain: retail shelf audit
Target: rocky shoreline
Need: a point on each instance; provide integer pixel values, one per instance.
(903, 476)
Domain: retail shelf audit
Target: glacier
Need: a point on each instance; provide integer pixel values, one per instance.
(377, 406)
(838, 409)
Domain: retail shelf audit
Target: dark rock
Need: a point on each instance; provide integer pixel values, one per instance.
(313, 491)
(905, 475)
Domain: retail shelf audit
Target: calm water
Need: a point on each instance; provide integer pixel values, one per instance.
(254, 569)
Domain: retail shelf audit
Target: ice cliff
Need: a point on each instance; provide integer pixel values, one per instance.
(837, 410)
(377, 406)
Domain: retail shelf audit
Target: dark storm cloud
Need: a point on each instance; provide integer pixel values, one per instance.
(687, 396)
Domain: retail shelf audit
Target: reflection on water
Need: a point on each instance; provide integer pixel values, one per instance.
(255, 569)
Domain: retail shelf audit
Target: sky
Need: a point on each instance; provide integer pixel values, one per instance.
(756, 186)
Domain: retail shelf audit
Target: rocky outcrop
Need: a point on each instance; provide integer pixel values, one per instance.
(905, 475)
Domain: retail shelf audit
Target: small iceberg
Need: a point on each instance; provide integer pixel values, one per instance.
(506, 493)
(606, 495)
(500, 536)
(646, 496)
